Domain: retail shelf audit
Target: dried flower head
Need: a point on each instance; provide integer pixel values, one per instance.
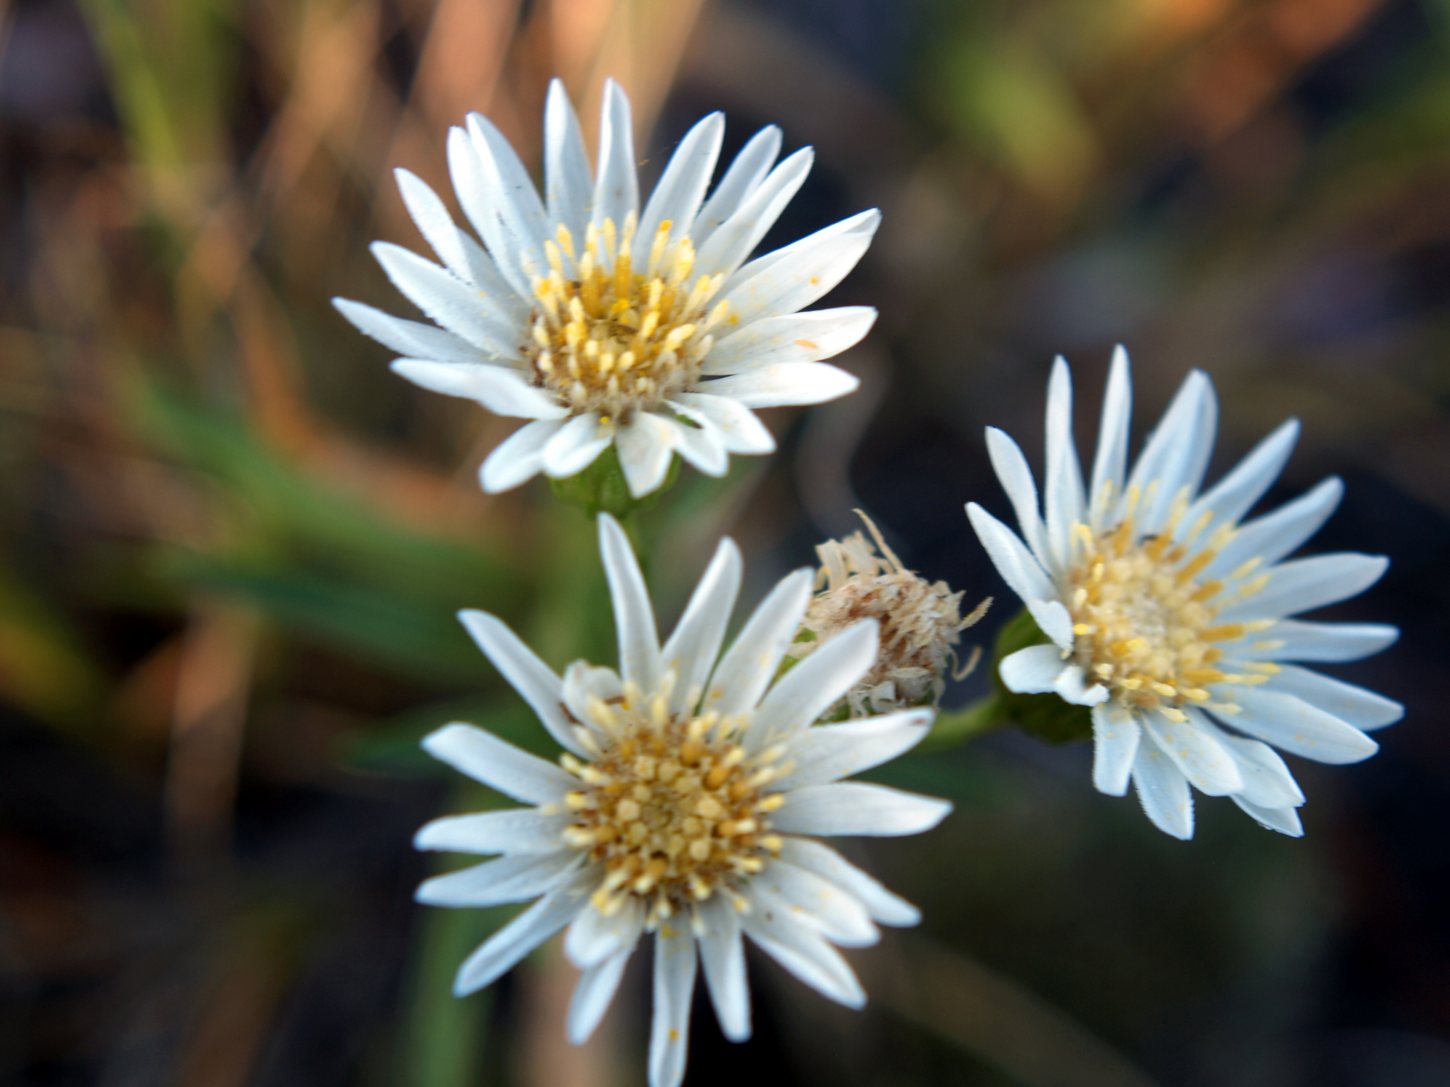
(921, 622)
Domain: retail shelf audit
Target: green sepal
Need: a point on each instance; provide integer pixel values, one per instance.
(602, 488)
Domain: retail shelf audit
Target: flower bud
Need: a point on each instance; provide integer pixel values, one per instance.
(920, 621)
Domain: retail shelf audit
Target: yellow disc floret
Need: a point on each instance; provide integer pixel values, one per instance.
(674, 806)
(1145, 620)
(614, 331)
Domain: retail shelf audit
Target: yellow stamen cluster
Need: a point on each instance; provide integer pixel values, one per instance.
(1146, 626)
(920, 622)
(675, 807)
(615, 331)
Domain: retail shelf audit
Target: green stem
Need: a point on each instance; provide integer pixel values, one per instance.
(956, 727)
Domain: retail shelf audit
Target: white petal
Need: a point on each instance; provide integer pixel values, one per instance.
(408, 337)
(1271, 537)
(645, 446)
(741, 179)
(1292, 725)
(517, 830)
(694, 647)
(576, 445)
(518, 458)
(506, 947)
(1284, 820)
(796, 337)
(528, 675)
(681, 188)
(829, 752)
(593, 994)
(616, 189)
(460, 254)
(1306, 584)
(499, 765)
(726, 247)
(455, 305)
(722, 953)
(1062, 491)
(1267, 782)
(805, 953)
(1116, 735)
(1110, 463)
(1054, 620)
(478, 195)
(751, 662)
(823, 905)
(502, 391)
(567, 181)
(1173, 452)
(1016, 479)
(1234, 495)
(496, 882)
(674, 985)
(593, 937)
(825, 862)
(1163, 791)
(1195, 751)
(702, 445)
(786, 384)
(634, 620)
(1072, 686)
(813, 685)
(1011, 557)
(1290, 640)
(737, 425)
(518, 201)
(852, 807)
(863, 224)
(797, 279)
(1359, 707)
(1033, 670)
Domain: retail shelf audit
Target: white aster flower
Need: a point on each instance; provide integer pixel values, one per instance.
(681, 806)
(604, 323)
(1169, 614)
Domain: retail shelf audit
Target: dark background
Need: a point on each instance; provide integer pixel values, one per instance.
(231, 543)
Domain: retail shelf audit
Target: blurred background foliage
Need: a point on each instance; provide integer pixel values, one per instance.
(232, 544)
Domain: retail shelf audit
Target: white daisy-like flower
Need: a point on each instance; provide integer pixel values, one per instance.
(685, 805)
(607, 324)
(1169, 614)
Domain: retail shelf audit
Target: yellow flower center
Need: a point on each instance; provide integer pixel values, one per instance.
(1145, 624)
(613, 333)
(674, 807)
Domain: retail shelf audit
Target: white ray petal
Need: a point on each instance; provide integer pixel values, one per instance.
(1292, 640)
(1172, 449)
(1016, 479)
(1293, 725)
(797, 278)
(1360, 707)
(518, 458)
(594, 937)
(1033, 670)
(592, 996)
(727, 246)
(1163, 791)
(694, 647)
(825, 862)
(1195, 751)
(646, 444)
(501, 390)
(517, 830)
(701, 444)
(1284, 820)
(411, 338)
(576, 445)
(839, 915)
(531, 677)
(722, 953)
(499, 765)
(1269, 538)
(1110, 462)
(1116, 735)
(567, 181)
(854, 808)
(1305, 584)
(816, 683)
(507, 947)
(674, 984)
(634, 620)
(752, 659)
(790, 338)
(740, 430)
(507, 879)
(449, 302)
(681, 187)
(1235, 494)
(1062, 494)
(616, 188)
(1022, 573)
(828, 753)
(739, 182)
(785, 384)
(806, 954)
